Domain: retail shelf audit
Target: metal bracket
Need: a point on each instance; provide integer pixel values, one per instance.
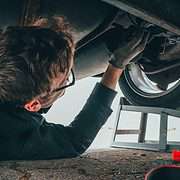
(162, 145)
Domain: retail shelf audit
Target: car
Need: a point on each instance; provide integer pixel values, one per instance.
(100, 26)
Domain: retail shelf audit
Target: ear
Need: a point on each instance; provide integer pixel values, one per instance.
(33, 106)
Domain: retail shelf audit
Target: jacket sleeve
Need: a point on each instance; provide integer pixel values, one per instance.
(92, 117)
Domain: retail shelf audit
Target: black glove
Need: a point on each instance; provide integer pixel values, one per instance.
(123, 55)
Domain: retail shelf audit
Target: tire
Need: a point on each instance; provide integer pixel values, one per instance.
(137, 96)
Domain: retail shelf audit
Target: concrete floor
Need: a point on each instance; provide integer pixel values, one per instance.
(114, 164)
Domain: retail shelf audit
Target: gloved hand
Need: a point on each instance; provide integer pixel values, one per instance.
(123, 55)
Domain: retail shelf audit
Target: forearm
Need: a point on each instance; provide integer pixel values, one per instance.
(92, 117)
(111, 77)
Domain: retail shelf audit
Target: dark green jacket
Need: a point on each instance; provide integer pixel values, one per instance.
(26, 135)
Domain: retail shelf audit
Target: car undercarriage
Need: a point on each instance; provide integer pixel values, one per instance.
(98, 27)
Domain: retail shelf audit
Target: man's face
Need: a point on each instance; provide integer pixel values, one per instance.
(58, 86)
(61, 80)
(49, 98)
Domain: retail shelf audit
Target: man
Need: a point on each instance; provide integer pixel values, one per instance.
(35, 68)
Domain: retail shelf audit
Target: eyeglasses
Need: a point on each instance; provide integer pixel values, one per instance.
(69, 82)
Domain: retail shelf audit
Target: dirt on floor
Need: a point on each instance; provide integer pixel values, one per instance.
(114, 164)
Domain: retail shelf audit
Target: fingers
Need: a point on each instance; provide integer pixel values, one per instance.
(141, 46)
(140, 41)
(136, 40)
(145, 39)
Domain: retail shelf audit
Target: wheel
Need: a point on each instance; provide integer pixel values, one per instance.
(140, 90)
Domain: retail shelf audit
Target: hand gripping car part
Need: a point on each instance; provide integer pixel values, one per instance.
(167, 172)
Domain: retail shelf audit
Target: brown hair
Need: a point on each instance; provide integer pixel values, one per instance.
(30, 57)
(56, 23)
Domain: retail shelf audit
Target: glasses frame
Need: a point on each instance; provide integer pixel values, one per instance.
(66, 86)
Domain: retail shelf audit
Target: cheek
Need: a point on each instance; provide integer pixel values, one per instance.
(59, 94)
(49, 100)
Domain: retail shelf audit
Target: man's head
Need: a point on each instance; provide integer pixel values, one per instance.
(34, 62)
